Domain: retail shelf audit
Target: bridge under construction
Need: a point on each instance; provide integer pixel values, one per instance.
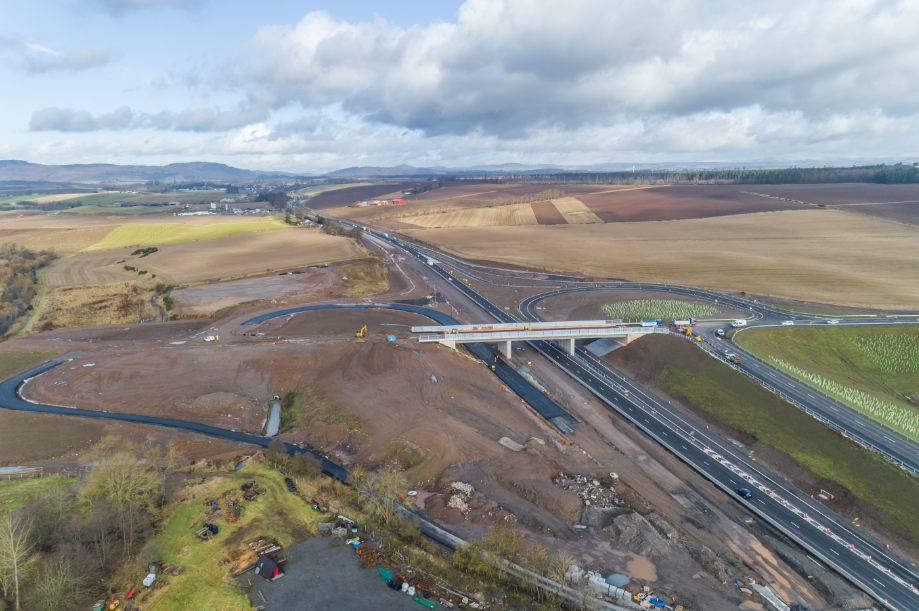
(565, 333)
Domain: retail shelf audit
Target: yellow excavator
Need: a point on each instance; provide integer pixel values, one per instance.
(362, 331)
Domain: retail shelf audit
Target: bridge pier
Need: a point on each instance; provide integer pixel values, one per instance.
(568, 345)
(449, 343)
(506, 349)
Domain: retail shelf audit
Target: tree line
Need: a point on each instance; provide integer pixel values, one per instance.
(18, 280)
(878, 174)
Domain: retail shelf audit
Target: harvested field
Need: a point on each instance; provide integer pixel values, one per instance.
(207, 298)
(485, 193)
(547, 214)
(824, 256)
(63, 241)
(90, 268)
(841, 194)
(63, 197)
(678, 202)
(345, 197)
(152, 234)
(244, 254)
(575, 212)
(499, 216)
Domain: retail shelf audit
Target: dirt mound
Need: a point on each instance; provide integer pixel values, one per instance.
(216, 403)
(648, 356)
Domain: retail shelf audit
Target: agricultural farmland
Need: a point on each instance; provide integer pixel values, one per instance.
(645, 309)
(822, 256)
(126, 236)
(871, 369)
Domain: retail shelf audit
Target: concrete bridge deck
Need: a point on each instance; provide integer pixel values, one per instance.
(506, 334)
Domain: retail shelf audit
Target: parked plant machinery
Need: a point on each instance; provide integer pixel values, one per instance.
(362, 332)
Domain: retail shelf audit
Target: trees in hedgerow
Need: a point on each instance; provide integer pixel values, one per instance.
(130, 479)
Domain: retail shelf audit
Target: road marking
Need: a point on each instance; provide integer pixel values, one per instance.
(796, 526)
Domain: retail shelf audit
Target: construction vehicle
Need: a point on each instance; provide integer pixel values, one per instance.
(362, 332)
(211, 338)
(733, 357)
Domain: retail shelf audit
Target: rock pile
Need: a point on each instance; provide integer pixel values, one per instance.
(590, 490)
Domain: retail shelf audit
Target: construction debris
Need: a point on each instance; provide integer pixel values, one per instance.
(590, 490)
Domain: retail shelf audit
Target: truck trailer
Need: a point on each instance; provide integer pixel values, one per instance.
(652, 323)
(687, 322)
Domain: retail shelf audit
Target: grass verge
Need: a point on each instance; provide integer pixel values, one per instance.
(875, 370)
(732, 400)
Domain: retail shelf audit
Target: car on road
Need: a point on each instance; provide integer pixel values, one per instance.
(788, 323)
(743, 492)
(720, 332)
(832, 321)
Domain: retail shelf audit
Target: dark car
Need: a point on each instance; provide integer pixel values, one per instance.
(744, 493)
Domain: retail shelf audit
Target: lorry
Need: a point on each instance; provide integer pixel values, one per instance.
(652, 323)
(739, 322)
(686, 322)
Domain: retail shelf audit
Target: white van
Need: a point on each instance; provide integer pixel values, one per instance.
(739, 322)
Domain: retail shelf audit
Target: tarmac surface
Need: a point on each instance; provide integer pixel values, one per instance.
(325, 575)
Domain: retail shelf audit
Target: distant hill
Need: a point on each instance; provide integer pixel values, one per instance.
(107, 173)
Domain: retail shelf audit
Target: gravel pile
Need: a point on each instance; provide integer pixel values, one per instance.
(590, 490)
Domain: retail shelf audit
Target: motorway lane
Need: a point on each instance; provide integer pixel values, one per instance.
(878, 572)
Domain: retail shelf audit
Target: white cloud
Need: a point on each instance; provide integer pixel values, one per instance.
(194, 120)
(34, 58)
(119, 7)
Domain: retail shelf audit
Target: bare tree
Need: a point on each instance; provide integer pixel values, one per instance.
(58, 584)
(15, 547)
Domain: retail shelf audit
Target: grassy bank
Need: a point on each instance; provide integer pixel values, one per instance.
(733, 401)
(367, 277)
(16, 493)
(874, 370)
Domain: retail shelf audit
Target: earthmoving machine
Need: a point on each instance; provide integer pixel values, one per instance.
(362, 332)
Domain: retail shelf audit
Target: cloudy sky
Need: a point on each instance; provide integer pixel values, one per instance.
(318, 85)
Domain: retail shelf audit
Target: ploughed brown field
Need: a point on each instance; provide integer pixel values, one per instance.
(902, 213)
(841, 194)
(345, 197)
(679, 202)
(484, 193)
(547, 214)
(825, 256)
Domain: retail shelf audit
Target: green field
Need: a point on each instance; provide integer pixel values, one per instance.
(20, 198)
(172, 233)
(875, 370)
(732, 399)
(317, 189)
(16, 493)
(119, 211)
(647, 309)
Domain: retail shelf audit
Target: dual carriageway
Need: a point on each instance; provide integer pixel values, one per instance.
(830, 537)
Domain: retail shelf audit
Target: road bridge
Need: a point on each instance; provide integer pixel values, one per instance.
(565, 333)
